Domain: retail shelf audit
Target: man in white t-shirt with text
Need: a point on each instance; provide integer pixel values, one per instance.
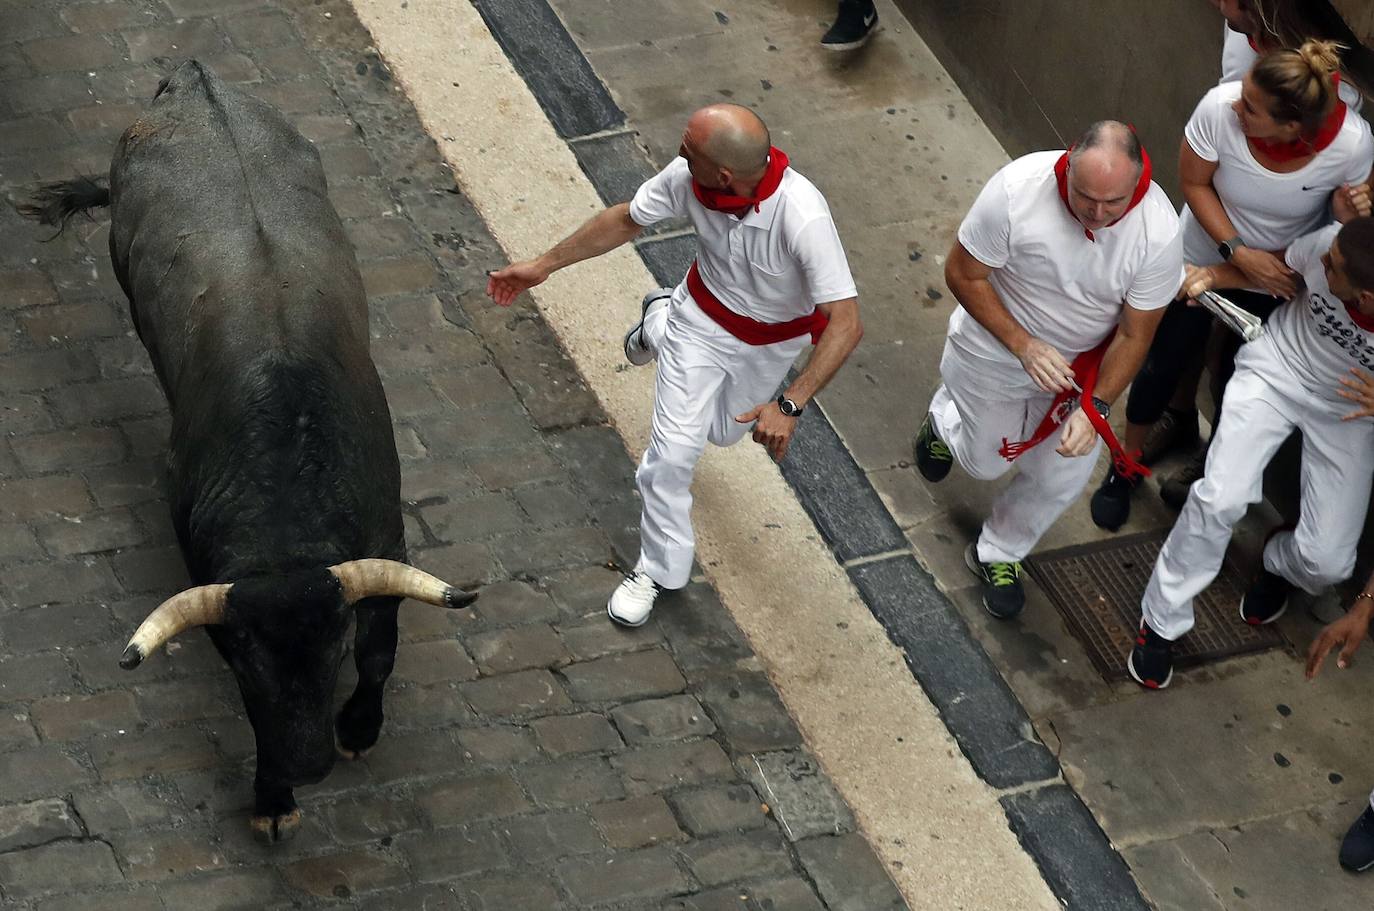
(1061, 269)
(769, 277)
(1294, 377)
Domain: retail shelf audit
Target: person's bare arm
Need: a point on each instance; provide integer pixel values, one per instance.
(1120, 364)
(967, 279)
(601, 233)
(1261, 267)
(773, 428)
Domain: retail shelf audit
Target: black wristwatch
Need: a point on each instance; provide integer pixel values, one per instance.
(1228, 248)
(789, 407)
(1102, 407)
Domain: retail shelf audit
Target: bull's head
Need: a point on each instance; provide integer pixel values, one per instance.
(283, 637)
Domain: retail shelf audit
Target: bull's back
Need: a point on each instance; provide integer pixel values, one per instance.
(221, 222)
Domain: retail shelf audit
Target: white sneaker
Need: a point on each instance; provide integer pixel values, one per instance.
(637, 350)
(633, 599)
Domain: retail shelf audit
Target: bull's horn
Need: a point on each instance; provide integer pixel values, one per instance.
(374, 578)
(200, 606)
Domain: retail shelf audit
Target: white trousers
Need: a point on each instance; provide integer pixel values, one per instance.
(705, 378)
(974, 410)
(1256, 418)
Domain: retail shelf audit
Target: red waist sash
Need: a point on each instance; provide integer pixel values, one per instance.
(751, 331)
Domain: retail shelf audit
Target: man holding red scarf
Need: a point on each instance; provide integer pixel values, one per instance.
(770, 275)
(1062, 268)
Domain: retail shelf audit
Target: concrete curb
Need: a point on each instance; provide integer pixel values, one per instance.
(991, 727)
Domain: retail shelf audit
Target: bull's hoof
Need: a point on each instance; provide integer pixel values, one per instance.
(351, 755)
(271, 830)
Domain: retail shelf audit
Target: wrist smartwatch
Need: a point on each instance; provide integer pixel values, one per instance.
(789, 407)
(1228, 248)
(1102, 407)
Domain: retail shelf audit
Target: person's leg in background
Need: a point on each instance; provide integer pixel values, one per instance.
(855, 22)
(1178, 343)
(1174, 489)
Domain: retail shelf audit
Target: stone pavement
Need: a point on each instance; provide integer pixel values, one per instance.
(1231, 789)
(534, 757)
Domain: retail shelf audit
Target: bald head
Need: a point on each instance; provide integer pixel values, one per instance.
(731, 137)
(1104, 168)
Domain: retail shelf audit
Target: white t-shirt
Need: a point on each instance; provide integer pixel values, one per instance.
(1057, 284)
(1268, 210)
(1312, 338)
(773, 265)
(1237, 57)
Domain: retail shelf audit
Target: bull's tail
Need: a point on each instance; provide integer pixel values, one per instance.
(55, 203)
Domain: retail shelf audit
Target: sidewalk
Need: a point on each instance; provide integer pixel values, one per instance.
(1229, 790)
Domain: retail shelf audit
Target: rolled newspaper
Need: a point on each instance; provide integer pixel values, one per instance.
(1241, 322)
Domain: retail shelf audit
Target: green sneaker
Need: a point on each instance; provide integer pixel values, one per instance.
(933, 458)
(1003, 596)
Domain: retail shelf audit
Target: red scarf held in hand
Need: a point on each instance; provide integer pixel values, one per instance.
(1304, 146)
(1085, 368)
(725, 201)
(1142, 186)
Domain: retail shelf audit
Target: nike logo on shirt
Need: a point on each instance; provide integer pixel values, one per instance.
(1306, 188)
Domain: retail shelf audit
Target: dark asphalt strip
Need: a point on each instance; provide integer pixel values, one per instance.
(975, 703)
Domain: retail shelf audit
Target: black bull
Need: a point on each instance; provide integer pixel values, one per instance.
(285, 485)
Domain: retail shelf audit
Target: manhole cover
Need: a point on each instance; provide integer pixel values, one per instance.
(1097, 587)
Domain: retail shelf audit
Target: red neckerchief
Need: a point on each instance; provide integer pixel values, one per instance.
(1364, 322)
(1061, 177)
(1085, 368)
(1254, 45)
(725, 201)
(1304, 146)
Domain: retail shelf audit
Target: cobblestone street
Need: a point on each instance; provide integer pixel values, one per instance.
(534, 757)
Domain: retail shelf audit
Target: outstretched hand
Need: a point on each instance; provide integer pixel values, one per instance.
(505, 285)
(772, 429)
(1348, 633)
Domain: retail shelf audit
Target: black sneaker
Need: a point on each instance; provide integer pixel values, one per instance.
(1152, 660)
(1266, 600)
(1175, 488)
(854, 25)
(933, 457)
(1357, 848)
(1003, 596)
(1173, 432)
(1111, 502)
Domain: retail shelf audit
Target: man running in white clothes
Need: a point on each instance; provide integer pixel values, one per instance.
(1062, 269)
(1291, 378)
(769, 277)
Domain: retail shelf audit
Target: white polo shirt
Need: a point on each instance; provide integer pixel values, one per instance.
(1269, 210)
(772, 265)
(1057, 284)
(1312, 339)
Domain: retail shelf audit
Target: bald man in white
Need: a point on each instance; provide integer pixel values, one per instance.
(769, 277)
(1062, 269)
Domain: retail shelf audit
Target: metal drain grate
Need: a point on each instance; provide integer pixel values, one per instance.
(1097, 588)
